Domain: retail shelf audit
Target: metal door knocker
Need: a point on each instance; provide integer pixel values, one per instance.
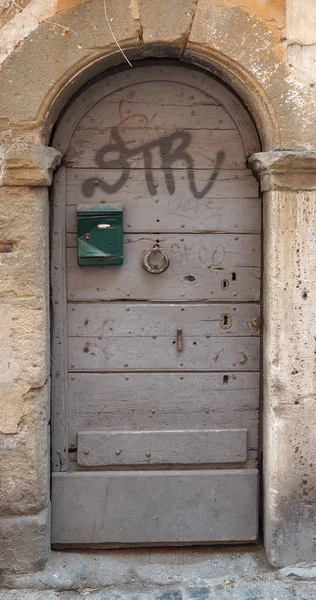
(156, 261)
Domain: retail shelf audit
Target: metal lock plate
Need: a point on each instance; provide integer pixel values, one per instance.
(100, 234)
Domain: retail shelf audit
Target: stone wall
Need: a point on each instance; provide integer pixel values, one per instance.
(266, 50)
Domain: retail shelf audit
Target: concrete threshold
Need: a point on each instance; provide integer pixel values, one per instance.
(198, 573)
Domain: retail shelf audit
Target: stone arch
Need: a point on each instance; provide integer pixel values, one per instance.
(56, 65)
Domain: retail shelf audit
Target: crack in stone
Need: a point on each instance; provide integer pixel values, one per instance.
(194, 7)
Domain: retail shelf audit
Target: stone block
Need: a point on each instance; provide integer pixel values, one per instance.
(24, 542)
(21, 164)
(166, 23)
(247, 52)
(25, 231)
(303, 59)
(55, 49)
(285, 170)
(289, 349)
(301, 21)
(24, 453)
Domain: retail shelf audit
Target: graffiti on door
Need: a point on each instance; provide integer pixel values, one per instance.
(172, 148)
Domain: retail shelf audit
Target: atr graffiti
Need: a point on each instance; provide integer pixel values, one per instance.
(172, 148)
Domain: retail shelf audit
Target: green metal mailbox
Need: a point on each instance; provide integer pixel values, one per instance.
(100, 234)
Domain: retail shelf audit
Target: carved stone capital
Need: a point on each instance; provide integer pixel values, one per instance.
(27, 165)
(285, 170)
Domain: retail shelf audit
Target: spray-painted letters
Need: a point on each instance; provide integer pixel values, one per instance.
(171, 148)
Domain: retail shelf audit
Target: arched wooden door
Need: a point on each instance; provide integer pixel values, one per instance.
(156, 375)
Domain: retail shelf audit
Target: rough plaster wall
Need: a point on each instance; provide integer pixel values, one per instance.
(301, 37)
(19, 19)
(19, 26)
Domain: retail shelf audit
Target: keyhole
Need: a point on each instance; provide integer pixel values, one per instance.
(224, 284)
(225, 320)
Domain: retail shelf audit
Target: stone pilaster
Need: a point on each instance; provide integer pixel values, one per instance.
(288, 182)
(25, 173)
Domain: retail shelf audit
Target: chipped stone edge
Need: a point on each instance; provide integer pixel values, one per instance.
(285, 170)
(25, 165)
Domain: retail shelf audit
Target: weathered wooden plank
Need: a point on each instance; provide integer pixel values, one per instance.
(132, 98)
(155, 507)
(149, 148)
(139, 109)
(195, 250)
(131, 282)
(197, 90)
(129, 319)
(227, 184)
(202, 267)
(147, 134)
(160, 354)
(230, 205)
(106, 448)
(139, 401)
(59, 453)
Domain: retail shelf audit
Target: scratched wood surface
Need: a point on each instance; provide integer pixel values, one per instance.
(130, 125)
(179, 446)
(230, 205)
(202, 267)
(171, 145)
(139, 402)
(159, 353)
(162, 507)
(142, 319)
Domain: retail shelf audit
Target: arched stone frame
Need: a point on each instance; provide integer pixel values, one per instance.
(31, 99)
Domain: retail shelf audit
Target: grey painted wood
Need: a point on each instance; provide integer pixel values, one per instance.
(161, 354)
(199, 266)
(129, 319)
(213, 93)
(173, 447)
(195, 113)
(170, 144)
(151, 401)
(155, 508)
(131, 282)
(139, 122)
(230, 206)
(59, 455)
(196, 250)
(204, 148)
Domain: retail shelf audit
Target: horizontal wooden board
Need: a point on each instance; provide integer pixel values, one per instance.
(194, 250)
(145, 401)
(232, 184)
(130, 320)
(150, 148)
(133, 508)
(161, 354)
(147, 134)
(231, 205)
(202, 267)
(138, 109)
(104, 448)
(156, 86)
(183, 96)
(128, 283)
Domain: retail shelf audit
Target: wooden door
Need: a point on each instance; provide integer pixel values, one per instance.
(156, 376)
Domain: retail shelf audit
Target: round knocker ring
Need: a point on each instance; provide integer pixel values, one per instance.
(156, 261)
